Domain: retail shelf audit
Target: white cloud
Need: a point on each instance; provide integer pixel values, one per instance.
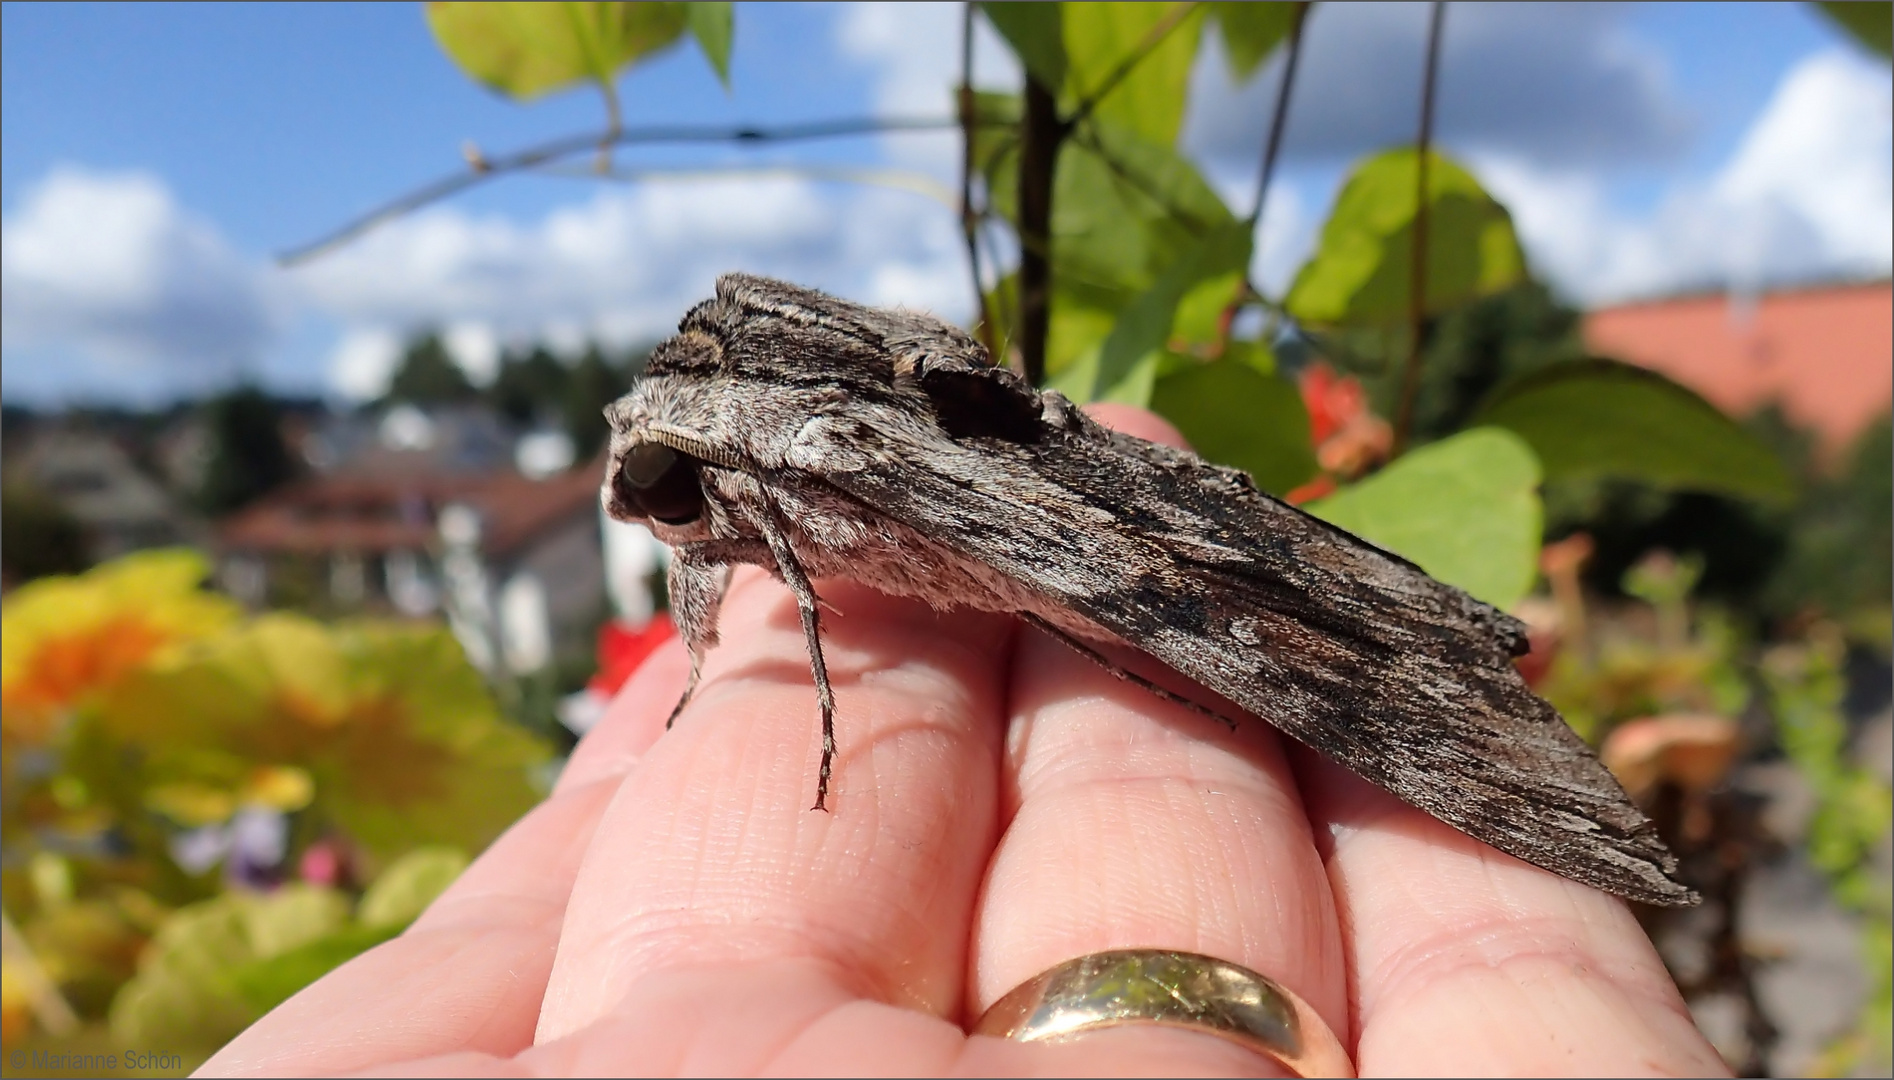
(1552, 83)
(623, 266)
(1809, 193)
(110, 270)
(913, 52)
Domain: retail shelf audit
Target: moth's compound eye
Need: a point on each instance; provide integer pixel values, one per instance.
(662, 483)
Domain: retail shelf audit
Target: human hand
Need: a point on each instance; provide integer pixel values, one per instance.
(1000, 805)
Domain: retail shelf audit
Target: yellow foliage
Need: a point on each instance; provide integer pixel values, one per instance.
(66, 639)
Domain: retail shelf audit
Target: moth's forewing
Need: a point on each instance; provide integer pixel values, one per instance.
(1404, 680)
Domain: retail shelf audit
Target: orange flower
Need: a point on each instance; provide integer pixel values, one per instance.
(66, 639)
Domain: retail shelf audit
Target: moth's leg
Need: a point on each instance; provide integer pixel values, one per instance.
(1131, 677)
(807, 605)
(696, 598)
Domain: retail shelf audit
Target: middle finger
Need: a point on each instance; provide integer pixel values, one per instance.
(1136, 823)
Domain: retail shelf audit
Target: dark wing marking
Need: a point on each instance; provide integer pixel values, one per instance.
(1356, 653)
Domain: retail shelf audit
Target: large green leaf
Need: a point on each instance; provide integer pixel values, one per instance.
(1251, 30)
(1361, 271)
(1034, 32)
(1145, 326)
(1076, 48)
(525, 50)
(1600, 417)
(1466, 509)
(1870, 21)
(397, 730)
(1101, 38)
(1234, 414)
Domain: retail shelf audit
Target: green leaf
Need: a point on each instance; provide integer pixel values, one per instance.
(1251, 31)
(1361, 271)
(1034, 30)
(410, 884)
(1234, 414)
(1603, 418)
(1100, 38)
(1870, 21)
(1466, 509)
(395, 728)
(714, 27)
(265, 984)
(1145, 325)
(188, 988)
(525, 50)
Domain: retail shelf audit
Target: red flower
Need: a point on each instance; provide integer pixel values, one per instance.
(622, 649)
(1332, 400)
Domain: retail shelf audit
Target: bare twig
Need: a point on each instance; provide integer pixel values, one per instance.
(908, 180)
(969, 217)
(1280, 119)
(482, 168)
(1417, 285)
(1278, 123)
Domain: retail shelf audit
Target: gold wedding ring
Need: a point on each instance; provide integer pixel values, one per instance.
(1174, 989)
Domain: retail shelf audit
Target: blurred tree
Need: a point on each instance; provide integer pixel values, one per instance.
(594, 383)
(428, 375)
(529, 387)
(37, 536)
(248, 456)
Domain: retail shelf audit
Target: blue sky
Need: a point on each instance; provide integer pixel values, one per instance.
(153, 156)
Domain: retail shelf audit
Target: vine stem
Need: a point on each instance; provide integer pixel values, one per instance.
(481, 168)
(1417, 282)
(1278, 123)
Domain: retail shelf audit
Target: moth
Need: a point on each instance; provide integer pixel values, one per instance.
(819, 438)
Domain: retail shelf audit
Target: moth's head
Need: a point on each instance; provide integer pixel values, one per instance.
(665, 433)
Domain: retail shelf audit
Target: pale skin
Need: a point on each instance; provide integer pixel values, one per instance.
(1000, 805)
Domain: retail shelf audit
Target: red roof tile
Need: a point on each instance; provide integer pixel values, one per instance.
(374, 514)
(1826, 354)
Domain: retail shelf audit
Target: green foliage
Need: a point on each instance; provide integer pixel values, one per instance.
(1159, 40)
(1871, 22)
(408, 886)
(37, 536)
(1853, 812)
(428, 375)
(398, 733)
(1839, 536)
(218, 965)
(1076, 49)
(248, 457)
(526, 50)
(1145, 326)
(713, 24)
(1600, 417)
(1362, 269)
(1251, 31)
(1465, 509)
(1235, 414)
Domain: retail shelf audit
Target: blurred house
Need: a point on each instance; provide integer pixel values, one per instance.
(1826, 354)
(425, 512)
(94, 480)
